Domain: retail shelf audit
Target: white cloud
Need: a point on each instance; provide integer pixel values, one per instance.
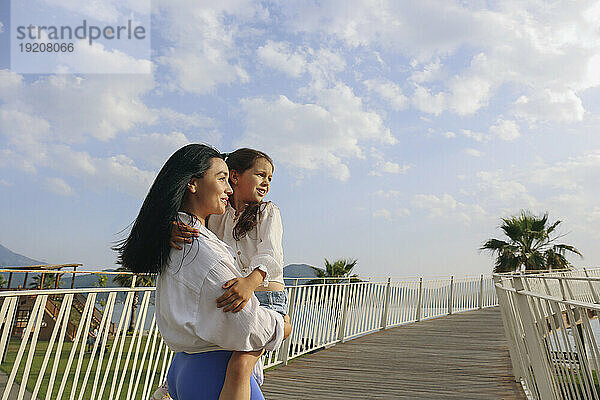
(391, 25)
(4, 182)
(1, 27)
(311, 136)
(470, 91)
(402, 212)
(572, 174)
(40, 134)
(100, 106)
(389, 215)
(279, 56)
(430, 72)
(473, 152)
(437, 206)
(390, 168)
(532, 47)
(449, 135)
(382, 213)
(564, 188)
(155, 148)
(9, 158)
(423, 100)
(22, 130)
(505, 189)
(117, 172)
(96, 59)
(59, 186)
(10, 84)
(108, 11)
(505, 129)
(388, 193)
(477, 136)
(186, 121)
(201, 51)
(388, 91)
(548, 105)
(446, 206)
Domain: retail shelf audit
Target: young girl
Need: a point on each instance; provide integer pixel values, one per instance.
(253, 230)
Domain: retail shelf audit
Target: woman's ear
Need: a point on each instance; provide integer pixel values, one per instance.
(234, 176)
(192, 186)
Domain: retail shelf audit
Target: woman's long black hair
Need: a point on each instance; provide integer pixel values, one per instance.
(241, 160)
(146, 249)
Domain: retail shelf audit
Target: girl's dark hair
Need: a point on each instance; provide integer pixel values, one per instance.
(146, 249)
(241, 160)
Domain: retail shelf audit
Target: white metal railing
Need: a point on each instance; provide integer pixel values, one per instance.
(552, 326)
(44, 334)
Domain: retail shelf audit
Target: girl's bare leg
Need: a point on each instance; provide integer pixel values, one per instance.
(237, 378)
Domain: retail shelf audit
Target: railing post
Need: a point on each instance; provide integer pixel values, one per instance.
(451, 295)
(342, 328)
(543, 377)
(285, 349)
(592, 290)
(386, 305)
(509, 329)
(480, 302)
(73, 279)
(420, 299)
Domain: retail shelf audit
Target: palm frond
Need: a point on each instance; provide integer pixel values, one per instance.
(530, 244)
(562, 248)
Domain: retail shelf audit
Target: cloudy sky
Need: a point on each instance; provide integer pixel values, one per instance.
(401, 131)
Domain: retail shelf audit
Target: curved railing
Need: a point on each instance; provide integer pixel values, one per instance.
(45, 346)
(552, 326)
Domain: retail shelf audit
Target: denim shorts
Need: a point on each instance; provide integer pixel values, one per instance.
(273, 300)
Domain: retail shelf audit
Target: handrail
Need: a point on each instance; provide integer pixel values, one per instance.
(538, 313)
(130, 360)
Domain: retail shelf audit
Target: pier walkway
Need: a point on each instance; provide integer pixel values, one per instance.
(460, 356)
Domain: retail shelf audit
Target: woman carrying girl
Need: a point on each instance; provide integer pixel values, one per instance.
(192, 185)
(253, 230)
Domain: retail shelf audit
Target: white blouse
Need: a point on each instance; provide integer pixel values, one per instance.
(186, 306)
(260, 248)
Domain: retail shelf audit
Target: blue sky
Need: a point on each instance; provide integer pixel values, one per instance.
(401, 131)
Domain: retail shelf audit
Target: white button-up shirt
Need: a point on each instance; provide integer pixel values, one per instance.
(186, 307)
(259, 248)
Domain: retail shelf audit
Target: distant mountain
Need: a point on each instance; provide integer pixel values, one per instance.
(293, 271)
(10, 258)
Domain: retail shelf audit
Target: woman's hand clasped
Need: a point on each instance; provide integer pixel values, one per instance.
(237, 295)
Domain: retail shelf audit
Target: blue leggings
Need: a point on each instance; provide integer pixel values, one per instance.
(200, 376)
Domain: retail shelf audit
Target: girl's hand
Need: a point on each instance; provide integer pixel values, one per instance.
(239, 291)
(287, 327)
(182, 233)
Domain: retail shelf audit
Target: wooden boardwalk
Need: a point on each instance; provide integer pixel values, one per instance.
(462, 356)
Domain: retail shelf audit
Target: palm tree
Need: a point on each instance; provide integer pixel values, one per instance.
(124, 280)
(530, 245)
(340, 268)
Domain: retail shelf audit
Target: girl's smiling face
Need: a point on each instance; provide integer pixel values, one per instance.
(253, 184)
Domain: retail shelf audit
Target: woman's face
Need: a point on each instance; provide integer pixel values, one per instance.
(253, 184)
(209, 194)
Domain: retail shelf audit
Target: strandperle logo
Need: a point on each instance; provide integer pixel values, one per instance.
(80, 36)
(83, 31)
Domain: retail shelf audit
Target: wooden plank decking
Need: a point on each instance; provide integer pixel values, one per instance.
(462, 356)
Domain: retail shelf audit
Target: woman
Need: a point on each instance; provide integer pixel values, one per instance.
(253, 230)
(192, 185)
